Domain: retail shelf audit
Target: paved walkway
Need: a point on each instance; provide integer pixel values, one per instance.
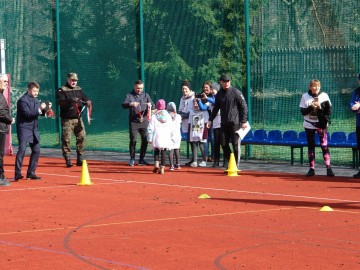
(251, 165)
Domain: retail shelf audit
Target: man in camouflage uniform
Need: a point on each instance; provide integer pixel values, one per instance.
(71, 100)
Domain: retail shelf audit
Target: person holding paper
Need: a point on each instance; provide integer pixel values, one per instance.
(231, 102)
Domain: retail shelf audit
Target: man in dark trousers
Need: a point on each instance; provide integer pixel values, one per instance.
(72, 100)
(231, 102)
(139, 104)
(28, 111)
(5, 121)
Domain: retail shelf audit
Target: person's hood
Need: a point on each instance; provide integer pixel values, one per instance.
(161, 116)
(171, 107)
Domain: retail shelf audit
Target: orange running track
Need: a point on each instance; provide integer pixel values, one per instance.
(131, 218)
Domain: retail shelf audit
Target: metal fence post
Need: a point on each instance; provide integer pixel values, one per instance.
(2, 56)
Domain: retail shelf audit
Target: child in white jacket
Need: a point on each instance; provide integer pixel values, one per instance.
(159, 135)
(175, 137)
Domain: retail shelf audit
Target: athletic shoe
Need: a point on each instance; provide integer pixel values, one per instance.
(4, 182)
(18, 177)
(357, 175)
(202, 164)
(329, 172)
(310, 173)
(33, 177)
(215, 164)
(188, 164)
(161, 170)
(132, 162)
(172, 168)
(143, 163)
(177, 166)
(193, 164)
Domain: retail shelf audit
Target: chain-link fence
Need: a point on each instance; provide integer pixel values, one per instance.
(109, 44)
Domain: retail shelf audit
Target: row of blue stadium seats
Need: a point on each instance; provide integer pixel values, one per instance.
(293, 138)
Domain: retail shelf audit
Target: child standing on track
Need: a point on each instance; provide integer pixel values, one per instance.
(175, 137)
(159, 135)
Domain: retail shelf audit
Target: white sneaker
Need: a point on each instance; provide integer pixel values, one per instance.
(202, 164)
(194, 164)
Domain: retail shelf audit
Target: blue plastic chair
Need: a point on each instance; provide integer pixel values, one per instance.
(302, 138)
(338, 139)
(260, 136)
(290, 137)
(247, 141)
(275, 137)
(351, 139)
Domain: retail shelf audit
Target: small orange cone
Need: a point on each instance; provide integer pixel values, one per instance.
(326, 209)
(85, 176)
(204, 196)
(232, 169)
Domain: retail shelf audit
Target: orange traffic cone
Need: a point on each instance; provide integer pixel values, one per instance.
(85, 176)
(232, 169)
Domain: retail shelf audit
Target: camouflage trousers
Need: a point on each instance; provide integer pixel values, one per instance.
(70, 127)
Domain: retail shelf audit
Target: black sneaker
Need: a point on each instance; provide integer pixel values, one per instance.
(311, 172)
(18, 177)
(143, 163)
(329, 172)
(33, 177)
(357, 175)
(216, 164)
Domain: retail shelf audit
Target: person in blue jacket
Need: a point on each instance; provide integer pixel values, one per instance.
(28, 111)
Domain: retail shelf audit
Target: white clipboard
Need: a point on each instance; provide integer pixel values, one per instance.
(242, 132)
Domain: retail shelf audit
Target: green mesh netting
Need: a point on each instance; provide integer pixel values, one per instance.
(292, 42)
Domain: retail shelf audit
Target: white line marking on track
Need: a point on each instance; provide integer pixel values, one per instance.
(122, 181)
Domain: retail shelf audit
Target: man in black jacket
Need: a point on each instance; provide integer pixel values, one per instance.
(28, 111)
(5, 121)
(231, 102)
(72, 101)
(139, 104)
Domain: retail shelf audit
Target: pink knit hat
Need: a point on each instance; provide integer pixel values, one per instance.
(160, 104)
